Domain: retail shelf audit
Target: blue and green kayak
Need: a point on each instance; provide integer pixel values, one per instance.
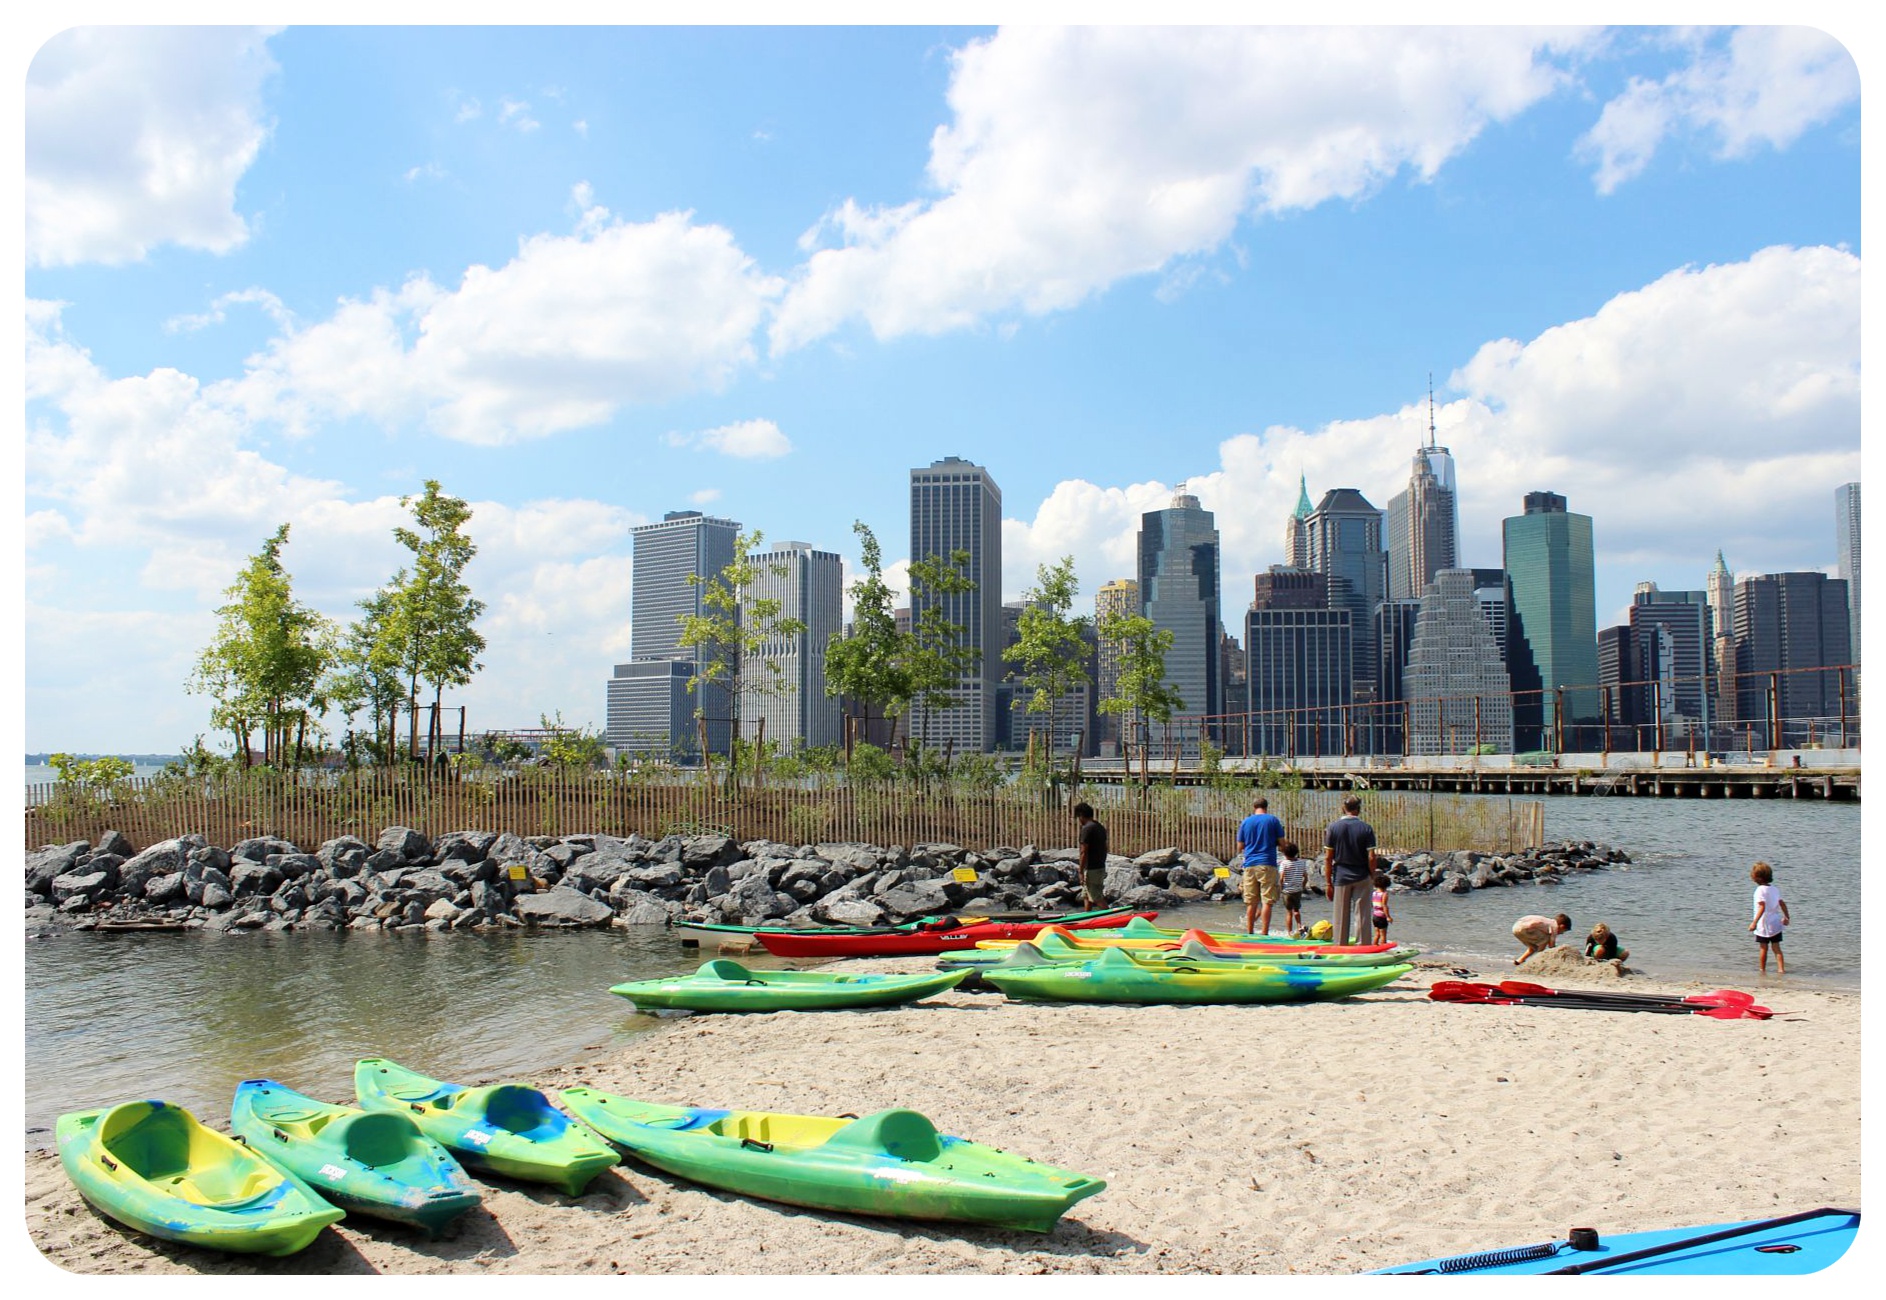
(367, 1162)
(1117, 975)
(723, 985)
(505, 1128)
(1049, 948)
(1793, 1244)
(891, 1163)
(153, 1167)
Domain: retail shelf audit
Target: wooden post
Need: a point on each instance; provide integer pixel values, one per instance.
(1774, 710)
(1476, 726)
(1843, 706)
(759, 753)
(461, 728)
(1558, 719)
(1656, 705)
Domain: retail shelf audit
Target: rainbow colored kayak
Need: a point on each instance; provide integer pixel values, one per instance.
(1050, 947)
(1281, 952)
(153, 1167)
(921, 943)
(1105, 916)
(891, 1163)
(505, 1128)
(1119, 976)
(723, 985)
(1791, 1244)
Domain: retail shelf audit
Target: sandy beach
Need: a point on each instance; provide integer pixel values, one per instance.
(1313, 1138)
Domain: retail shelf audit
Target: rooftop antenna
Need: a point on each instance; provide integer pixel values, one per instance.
(1430, 409)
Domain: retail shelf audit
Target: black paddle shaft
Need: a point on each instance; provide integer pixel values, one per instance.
(1708, 1238)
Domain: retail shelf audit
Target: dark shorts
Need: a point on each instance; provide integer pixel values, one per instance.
(1381, 923)
(1765, 939)
(1293, 902)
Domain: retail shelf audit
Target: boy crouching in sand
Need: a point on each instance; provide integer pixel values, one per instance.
(1539, 933)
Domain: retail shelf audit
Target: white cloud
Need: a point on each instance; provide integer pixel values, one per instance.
(1079, 156)
(516, 113)
(217, 313)
(570, 330)
(431, 171)
(1767, 87)
(744, 440)
(706, 496)
(1716, 406)
(138, 136)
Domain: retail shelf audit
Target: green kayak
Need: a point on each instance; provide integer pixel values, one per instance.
(1138, 928)
(368, 1162)
(892, 1163)
(1118, 976)
(153, 1167)
(723, 985)
(505, 1128)
(1051, 949)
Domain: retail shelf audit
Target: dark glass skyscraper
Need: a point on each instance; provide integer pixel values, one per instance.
(1344, 540)
(1786, 624)
(1548, 556)
(1299, 663)
(1178, 591)
(650, 708)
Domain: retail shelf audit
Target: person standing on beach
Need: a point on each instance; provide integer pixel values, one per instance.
(1293, 871)
(1093, 846)
(1771, 916)
(1349, 870)
(1258, 835)
(1539, 933)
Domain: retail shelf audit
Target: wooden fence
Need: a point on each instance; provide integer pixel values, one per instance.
(324, 805)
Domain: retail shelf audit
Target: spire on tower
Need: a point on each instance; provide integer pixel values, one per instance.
(1304, 509)
(1430, 408)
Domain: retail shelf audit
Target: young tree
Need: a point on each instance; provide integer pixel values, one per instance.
(870, 665)
(434, 611)
(736, 627)
(1050, 648)
(266, 665)
(937, 651)
(367, 668)
(1142, 685)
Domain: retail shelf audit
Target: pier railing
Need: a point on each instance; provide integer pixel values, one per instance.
(311, 807)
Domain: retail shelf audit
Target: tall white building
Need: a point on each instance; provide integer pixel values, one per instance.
(956, 505)
(1847, 545)
(1178, 591)
(784, 678)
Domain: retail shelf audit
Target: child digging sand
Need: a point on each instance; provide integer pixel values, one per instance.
(1771, 916)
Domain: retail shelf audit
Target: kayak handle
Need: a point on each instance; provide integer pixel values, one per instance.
(107, 1161)
(280, 1136)
(756, 1144)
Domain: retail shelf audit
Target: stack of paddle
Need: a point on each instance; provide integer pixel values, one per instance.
(1723, 1004)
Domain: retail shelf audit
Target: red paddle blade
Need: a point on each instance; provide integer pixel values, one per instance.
(1722, 998)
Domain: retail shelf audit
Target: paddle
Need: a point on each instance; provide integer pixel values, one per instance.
(1719, 997)
(1488, 995)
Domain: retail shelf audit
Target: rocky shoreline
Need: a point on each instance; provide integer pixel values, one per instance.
(485, 879)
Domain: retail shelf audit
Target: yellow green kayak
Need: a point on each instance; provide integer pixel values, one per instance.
(506, 1128)
(1051, 947)
(1120, 976)
(153, 1167)
(723, 985)
(891, 1163)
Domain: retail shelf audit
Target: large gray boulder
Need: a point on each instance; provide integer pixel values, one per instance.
(561, 906)
(258, 848)
(508, 848)
(1158, 858)
(1121, 880)
(164, 889)
(404, 841)
(158, 860)
(114, 842)
(84, 884)
(43, 865)
(464, 846)
(254, 878)
(343, 856)
(848, 911)
(293, 866)
(755, 901)
(703, 851)
(859, 857)
(921, 898)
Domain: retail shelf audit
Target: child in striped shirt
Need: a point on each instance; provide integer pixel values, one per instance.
(1294, 872)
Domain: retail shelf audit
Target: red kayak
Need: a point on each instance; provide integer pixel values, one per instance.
(921, 943)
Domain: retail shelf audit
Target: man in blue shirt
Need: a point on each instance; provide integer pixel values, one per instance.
(1257, 843)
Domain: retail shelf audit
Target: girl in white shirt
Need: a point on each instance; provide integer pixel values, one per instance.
(1771, 916)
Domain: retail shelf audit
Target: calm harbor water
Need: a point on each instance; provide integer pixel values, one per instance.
(187, 1016)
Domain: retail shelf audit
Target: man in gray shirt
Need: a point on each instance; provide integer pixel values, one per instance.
(1349, 871)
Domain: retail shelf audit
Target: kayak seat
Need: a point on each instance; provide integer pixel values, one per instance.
(723, 969)
(376, 1139)
(229, 1186)
(693, 1119)
(523, 1111)
(904, 1134)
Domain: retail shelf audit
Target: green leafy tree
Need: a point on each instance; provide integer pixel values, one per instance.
(1050, 648)
(870, 665)
(937, 652)
(433, 612)
(737, 635)
(1143, 689)
(367, 670)
(267, 665)
(567, 746)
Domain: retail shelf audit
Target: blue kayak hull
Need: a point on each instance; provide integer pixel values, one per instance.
(1757, 1247)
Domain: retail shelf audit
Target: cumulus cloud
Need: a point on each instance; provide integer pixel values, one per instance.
(1760, 86)
(160, 478)
(743, 440)
(138, 136)
(1718, 405)
(1079, 156)
(560, 337)
(270, 305)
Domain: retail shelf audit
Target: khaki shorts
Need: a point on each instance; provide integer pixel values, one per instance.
(1263, 884)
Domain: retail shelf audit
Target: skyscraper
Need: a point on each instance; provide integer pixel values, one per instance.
(1299, 663)
(1423, 521)
(1344, 540)
(955, 505)
(1121, 596)
(1394, 637)
(807, 584)
(1720, 587)
(1296, 529)
(1548, 555)
(1847, 551)
(1786, 625)
(1178, 591)
(1455, 683)
(650, 709)
(1669, 656)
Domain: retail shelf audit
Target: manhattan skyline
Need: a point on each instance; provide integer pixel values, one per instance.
(585, 278)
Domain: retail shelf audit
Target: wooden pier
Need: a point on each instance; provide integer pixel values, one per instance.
(1714, 782)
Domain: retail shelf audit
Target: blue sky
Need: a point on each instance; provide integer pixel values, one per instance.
(587, 276)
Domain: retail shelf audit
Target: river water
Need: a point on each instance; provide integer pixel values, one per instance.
(187, 1016)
